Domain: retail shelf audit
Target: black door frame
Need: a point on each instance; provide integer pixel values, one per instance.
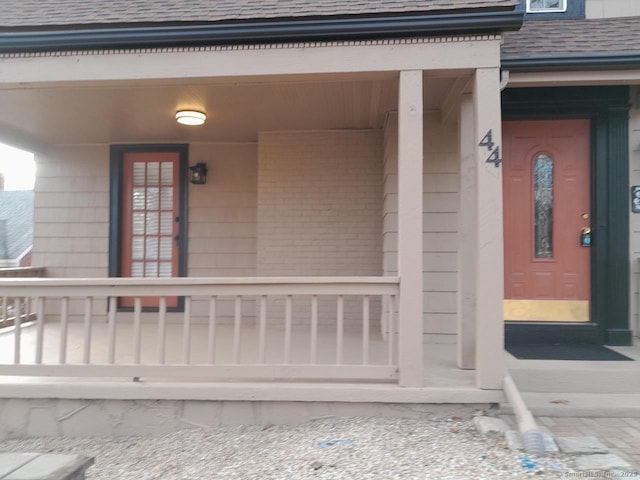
(116, 170)
(608, 110)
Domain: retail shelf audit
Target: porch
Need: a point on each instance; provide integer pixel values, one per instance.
(324, 249)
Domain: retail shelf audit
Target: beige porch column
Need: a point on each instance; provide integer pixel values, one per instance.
(489, 241)
(410, 266)
(467, 238)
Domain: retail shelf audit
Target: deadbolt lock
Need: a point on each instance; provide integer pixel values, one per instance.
(585, 237)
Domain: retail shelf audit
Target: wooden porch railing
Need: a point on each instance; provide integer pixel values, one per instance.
(295, 328)
(10, 307)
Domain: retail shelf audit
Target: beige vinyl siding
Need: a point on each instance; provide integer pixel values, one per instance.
(71, 211)
(634, 226)
(612, 8)
(222, 213)
(441, 179)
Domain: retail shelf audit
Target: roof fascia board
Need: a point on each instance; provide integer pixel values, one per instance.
(613, 61)
(316, 29)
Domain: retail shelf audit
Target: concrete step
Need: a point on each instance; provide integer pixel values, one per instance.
(562, 404)
(613, 377)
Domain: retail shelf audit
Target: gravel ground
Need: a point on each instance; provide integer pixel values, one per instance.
(330, 448)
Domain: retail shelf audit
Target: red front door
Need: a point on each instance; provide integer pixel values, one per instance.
(150, 216)
(546, 191)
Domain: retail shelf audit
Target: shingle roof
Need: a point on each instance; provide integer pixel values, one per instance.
(553, 38)
(16, 208)
(25, 13)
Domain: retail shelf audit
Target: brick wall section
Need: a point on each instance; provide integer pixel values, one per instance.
(441, 178)
(634, 226)
(26, 260)
(320, 203)
(320, 213)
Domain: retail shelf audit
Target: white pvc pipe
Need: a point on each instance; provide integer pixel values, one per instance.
(531, 435)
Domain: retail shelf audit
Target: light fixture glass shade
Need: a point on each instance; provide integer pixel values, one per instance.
(190, 117)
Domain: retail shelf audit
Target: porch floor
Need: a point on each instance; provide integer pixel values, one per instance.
(444, 382)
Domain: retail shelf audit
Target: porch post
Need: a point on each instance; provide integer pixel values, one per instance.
(467, 228)
(410, 158)
(489, 241)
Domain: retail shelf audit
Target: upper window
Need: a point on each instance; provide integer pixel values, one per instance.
(543, 6)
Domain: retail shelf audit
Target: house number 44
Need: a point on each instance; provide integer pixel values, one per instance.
(494, 156)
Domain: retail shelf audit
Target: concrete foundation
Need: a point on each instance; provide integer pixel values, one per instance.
(24, 418)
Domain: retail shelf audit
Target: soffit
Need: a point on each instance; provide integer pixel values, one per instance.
(34, 13)
(145, 111)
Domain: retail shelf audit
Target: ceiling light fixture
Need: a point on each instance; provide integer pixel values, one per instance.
(190, 117)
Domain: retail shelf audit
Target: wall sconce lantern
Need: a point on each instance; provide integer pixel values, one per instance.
(198, 174)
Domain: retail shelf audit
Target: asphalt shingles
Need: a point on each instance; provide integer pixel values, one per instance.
(549, 38)
(33, 13)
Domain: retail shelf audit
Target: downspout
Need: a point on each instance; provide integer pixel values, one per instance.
(531, 435)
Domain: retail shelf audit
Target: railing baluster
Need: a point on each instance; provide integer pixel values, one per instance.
(5, 310)
(391, 327)
(162, 329)
(313, 358)
(17, 329)
(384, 317)
(64, 325)
(111, 334)
(237, 320)
(340, 330)
(27, 308)
(186, 334)
(88, 302)
(137, 308)
(263, 329)
(365, 330)
(287, 328)
(39, 328)
(212, 330)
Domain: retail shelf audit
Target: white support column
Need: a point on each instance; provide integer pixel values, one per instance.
(490, 368)
(410, 263)
(467, 237)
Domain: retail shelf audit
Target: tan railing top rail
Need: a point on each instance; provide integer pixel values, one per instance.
(195, 286)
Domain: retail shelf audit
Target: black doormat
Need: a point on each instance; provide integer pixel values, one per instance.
(564, 351)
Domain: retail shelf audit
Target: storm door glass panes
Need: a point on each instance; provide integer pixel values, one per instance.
(543, 209)
(546, 6)
(150, 223)
(152, 219)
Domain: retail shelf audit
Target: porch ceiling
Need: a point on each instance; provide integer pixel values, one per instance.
(237, 109)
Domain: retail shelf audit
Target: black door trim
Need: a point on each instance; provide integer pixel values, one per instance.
(608, 110)
(116, 163)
